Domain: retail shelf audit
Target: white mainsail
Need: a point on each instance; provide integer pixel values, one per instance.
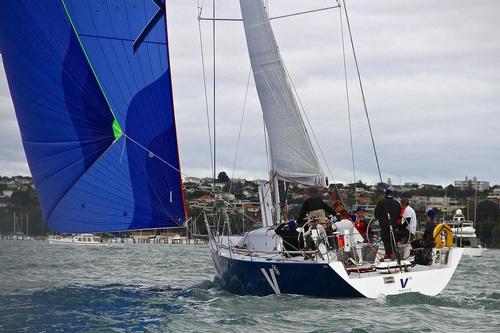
(292, 154)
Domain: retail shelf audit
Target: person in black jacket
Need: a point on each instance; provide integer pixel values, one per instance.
(314, 205)
(427, 240)
(388, 212)
(288, 232)
(423, 247)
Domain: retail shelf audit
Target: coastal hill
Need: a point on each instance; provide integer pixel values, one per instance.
(20, 210)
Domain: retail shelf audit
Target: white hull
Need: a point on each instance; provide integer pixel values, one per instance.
(427, 280)
(465, 235)
(473, 251)
(71, 242)
(246, 270)
(85, 240)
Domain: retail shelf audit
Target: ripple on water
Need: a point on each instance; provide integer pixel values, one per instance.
(172, 288)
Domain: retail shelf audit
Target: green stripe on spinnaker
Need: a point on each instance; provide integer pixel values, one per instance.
(117, 130)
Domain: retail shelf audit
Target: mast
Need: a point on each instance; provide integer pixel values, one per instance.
(277, 202)
(214, 93)
(475, 206)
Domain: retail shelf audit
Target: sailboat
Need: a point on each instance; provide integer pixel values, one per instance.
(92, 91)
(258, 263)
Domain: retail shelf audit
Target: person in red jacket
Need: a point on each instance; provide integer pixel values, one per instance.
(361, 224)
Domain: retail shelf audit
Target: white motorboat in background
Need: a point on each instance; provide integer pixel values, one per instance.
(465, 235)
(81, 239)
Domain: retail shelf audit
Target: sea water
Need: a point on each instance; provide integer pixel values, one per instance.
(163, 288)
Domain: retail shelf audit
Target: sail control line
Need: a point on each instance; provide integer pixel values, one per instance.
(270, 19)
(362, 90)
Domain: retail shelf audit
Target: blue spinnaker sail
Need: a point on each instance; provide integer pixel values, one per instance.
(91, 86)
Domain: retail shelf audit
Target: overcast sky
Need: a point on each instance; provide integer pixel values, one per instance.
(431, 73)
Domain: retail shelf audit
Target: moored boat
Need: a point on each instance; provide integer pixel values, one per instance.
(80, 239)
(465, 235)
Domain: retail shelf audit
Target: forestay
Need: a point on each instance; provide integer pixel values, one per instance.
(95, 111)
(292, 154)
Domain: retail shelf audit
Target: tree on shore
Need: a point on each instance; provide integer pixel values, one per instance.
(223, 177)
(488, 220)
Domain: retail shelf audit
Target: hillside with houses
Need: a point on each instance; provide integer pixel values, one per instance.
(20, 211)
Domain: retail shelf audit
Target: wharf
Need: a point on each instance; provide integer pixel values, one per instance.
(159, 240)
(19, 237)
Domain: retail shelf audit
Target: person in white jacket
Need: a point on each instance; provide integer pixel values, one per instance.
(316, 227)
(409, 218)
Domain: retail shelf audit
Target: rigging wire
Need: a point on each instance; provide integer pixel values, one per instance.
(151, 154)
(313, 133)
(347, 96)
(200, 9)
(310, 126)
(302, 107)
(239, 131)
(231, 19)
(362, 90)
(213, 44)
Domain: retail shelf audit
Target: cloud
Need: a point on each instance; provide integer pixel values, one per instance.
(431, 73)
(12, 160)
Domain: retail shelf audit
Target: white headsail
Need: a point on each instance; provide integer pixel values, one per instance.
(292, 154)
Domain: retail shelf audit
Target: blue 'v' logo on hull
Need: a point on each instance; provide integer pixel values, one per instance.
(403, 282)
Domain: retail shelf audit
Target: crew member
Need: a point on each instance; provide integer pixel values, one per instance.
(423, 252)
(314, 206)
(409, 218)
(361, 224)
(402, 231)
(322, 236)
(388, 212)
(341, 212)
(288, 232)
(427, 240)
